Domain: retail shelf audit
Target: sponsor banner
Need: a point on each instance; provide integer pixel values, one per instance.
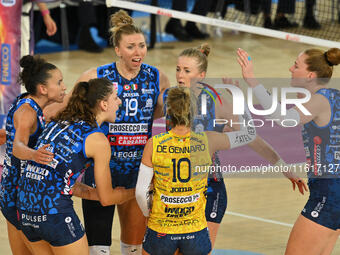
(10, 15)
(128, 128)
(178, 212)
(127, 140)
(36, 172)
(127, 154)
(174, 200)
(148, 91)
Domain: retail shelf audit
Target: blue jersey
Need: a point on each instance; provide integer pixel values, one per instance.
(46, 189)
(133, 125)
(202, 122)
(12, 165)
(322, 144)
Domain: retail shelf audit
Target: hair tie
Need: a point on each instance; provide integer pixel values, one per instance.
(326, 58)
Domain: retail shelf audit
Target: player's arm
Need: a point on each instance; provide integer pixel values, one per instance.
(234, 139)
(262, 148)
(98, 148)
(2, 136)
(84, 191)
(163, 85)
(25, 124)
(144, 180)
(53, 109)
(317, 105)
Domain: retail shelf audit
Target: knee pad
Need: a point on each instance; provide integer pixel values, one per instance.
(130, 249)
(99, 250)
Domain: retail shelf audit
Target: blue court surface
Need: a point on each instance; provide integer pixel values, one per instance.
(233, 252)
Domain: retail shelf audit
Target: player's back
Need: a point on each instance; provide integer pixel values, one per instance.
(180, 181)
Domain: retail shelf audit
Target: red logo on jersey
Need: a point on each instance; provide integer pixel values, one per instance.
(127, 140)
(127, 87)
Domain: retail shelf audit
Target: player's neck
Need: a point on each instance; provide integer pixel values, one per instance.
(41, 101)
(125, 71)
(181, 130)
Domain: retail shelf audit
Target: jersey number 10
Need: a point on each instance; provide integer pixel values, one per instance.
(178, 167)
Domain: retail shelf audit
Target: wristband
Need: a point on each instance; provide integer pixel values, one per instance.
(245, 135)
(45, 12)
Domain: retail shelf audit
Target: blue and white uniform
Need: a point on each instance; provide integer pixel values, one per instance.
(133, 125)
(216, 192)
(13, 166)
(127, 136)
(322, 147)
(44, 195)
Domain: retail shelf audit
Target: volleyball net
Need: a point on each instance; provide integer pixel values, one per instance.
(249, 16)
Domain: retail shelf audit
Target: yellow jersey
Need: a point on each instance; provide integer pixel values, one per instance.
(180, 183)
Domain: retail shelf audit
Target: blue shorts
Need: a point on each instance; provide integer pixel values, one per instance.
(216, 201)
(12, 216)
(57, 229)
(196, 243)
(128, 180)
(124, 180)
(323, 205)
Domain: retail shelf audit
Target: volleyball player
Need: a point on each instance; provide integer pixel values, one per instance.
(192, 65)
(44, 84)
(174, 162)
(48, 219)
(140, 87)
(317, 228)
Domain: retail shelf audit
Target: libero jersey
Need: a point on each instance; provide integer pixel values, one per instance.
(12, 165)
(133, 125)
(46, 189)
(180, 181)
(322, 144)
(202, 122)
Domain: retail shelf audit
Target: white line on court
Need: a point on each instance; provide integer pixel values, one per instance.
(259, 219)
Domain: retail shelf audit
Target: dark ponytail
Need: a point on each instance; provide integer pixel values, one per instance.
(35, 71)
(84, 101)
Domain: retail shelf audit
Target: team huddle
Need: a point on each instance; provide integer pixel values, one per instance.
(96, 143)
